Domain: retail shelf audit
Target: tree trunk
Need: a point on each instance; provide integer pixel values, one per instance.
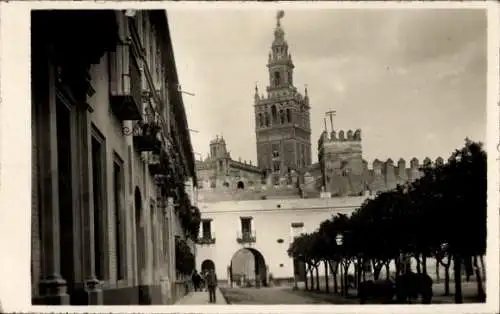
(317, 278)
(447, 280)
(457, 272)
(360, 272)
(327, 284)
(355, 272)
(307, 281)
(398, 265)
(437, 271)
(480, 289)
(483, 270)
(346, 279)
(312, 278)
(424, 263)
(417, 258)
(334, 271)
(341, 280)
(387, 270)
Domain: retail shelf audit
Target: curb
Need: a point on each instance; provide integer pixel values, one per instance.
(224, 296)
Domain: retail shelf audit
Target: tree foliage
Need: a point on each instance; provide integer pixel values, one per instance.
(184, 258)
(444, 208)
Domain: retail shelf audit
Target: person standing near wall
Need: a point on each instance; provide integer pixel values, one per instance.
(211, 282)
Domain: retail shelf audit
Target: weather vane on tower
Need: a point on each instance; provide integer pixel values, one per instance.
(279, 16)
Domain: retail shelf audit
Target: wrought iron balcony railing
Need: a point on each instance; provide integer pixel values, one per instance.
(157, 163)
(147, 138)
(206, 239)
(246, 237)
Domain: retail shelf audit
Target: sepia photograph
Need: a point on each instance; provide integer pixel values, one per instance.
(273, 155)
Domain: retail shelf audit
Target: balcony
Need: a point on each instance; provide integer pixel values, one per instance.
(246, 237)
(125, 84)
(206, 239)
(157, 163)
(147, 138)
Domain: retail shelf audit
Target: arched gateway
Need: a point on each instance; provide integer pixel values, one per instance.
(248, 269)
(207, 265)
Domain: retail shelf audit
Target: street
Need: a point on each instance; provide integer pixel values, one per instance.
(286, 295)
(274, 295)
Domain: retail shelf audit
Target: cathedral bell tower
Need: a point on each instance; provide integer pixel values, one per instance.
(282, 118)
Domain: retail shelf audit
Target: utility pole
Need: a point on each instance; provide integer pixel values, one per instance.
(331, 114)
(179, 89)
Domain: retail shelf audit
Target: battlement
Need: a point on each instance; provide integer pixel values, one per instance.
(253, 192)
(348, 178)
(414, 163)
(341, 136)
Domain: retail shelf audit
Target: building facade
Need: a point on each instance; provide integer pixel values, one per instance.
(111, 156)
(240, 213)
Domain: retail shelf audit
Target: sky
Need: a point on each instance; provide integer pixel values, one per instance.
(413, 80)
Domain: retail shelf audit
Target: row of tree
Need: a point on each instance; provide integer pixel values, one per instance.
(440, 215)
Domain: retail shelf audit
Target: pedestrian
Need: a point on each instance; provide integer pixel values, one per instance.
(196, 278)
(211, 281)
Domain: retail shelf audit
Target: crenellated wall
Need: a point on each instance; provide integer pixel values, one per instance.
(345, 172)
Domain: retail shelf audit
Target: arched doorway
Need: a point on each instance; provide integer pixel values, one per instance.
(240, 185)
(248, 269)
(207, 265)
(140, 249)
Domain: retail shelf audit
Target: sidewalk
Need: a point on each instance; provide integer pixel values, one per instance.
(197, 298)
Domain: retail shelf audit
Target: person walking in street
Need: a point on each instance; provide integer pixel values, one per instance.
(196, 278)
(211, 282)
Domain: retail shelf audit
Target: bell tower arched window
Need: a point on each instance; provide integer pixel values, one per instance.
(274, 114)
(277, 78)
(261, 120)
(266, 115)
(282, 117)
(288, 116)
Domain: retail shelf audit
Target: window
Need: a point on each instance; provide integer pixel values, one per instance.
(119, 226)
(277, 78)
(276, 166)
(297, 229)
(288, 116)
(282, 117)
(276, 154)
(274, 114)
(246, 225)
(99, 188)
(261, 120)
(206, 227)
(267, 119)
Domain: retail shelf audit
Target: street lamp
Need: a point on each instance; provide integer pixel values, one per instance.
(339, 239)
